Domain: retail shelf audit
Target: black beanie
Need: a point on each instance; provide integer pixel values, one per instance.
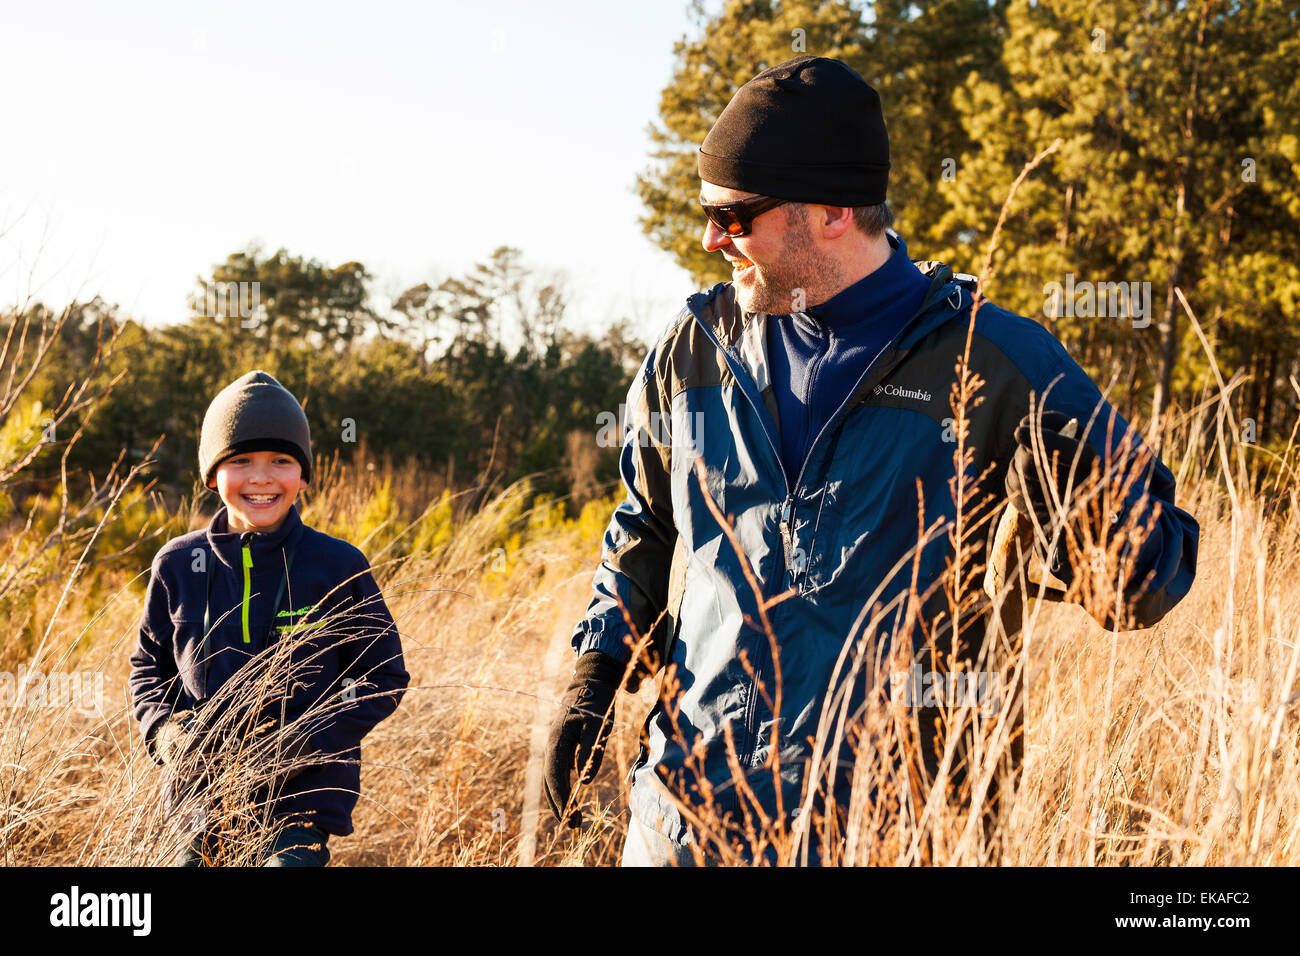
(254, 413)
(809, 130)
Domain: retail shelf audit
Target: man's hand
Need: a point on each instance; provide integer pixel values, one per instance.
(1034, 492)
(1029, 488)
(577, 739)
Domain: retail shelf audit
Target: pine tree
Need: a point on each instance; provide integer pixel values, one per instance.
(1157, 106)
(916, 54)
(745, 38)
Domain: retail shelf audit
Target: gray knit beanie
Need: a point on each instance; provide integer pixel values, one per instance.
(254, 413)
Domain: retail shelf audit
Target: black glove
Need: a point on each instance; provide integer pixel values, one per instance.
(577, 738)
(1029, 489)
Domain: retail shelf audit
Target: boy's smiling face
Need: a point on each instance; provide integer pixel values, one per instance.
(258, 488)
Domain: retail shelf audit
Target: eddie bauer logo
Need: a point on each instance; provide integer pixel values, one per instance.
(919, 394)
(102, 909)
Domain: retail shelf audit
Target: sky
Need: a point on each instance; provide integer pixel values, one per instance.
(142, 143)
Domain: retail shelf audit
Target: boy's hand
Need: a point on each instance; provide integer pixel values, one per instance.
(172, 738)
(577, 739)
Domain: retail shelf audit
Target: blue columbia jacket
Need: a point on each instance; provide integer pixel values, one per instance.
(818, 355)
(841, 537)
(340, 670)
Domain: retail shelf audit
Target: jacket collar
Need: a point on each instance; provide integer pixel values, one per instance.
(746, 332)
(226, 544)
(890, 294)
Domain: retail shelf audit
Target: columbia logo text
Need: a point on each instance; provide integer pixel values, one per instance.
(900, 391)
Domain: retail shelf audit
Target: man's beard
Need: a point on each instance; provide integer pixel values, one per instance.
(798, 279)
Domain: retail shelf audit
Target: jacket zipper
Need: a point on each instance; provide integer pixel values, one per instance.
(787, 507)
(742, 376)
(866, 378)
(248, 585)
(787, 540)
(824, 347)
(742, 379)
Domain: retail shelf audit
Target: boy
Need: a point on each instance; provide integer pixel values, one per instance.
(266, 650)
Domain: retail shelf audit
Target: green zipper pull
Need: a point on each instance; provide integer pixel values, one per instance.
(248, 587)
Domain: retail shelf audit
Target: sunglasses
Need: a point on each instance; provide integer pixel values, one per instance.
(736, 219)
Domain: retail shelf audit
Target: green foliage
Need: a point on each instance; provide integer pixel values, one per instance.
(436, 526)
(746, 37)
(19, 433)
(380, 520)
(477, 380)
(1179, 164)
(286, 299)
(591, 523)
(138, 516)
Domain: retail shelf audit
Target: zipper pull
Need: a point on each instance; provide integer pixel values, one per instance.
(787, 546)
(248, 584)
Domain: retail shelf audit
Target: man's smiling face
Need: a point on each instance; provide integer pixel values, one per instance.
(778, 265)
(258, 488)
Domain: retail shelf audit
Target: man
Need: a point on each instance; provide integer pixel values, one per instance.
(815, 390)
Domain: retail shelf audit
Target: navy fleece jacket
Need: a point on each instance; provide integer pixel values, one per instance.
(817, 356)
(344, 656)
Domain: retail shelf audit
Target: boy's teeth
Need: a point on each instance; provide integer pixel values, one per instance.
(261, 497)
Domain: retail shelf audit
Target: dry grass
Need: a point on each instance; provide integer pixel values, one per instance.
(1177, 744)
